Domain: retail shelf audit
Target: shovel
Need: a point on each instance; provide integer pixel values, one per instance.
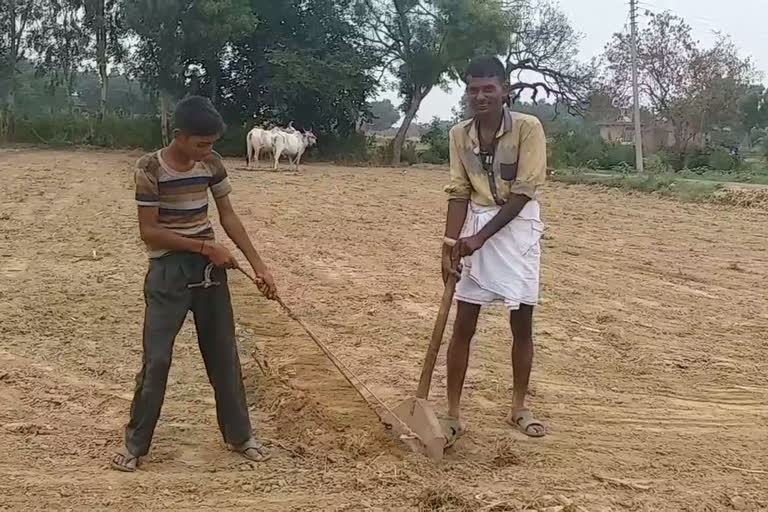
(416, 412)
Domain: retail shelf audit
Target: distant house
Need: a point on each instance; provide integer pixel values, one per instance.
(656, 135)
(80, 106)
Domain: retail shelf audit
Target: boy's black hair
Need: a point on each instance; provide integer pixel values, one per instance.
(486, 67)
(197, 116)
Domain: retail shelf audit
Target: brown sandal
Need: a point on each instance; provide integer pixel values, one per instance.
(453, 430)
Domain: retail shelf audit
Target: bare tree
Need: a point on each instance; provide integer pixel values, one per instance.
(692, 88)
(424, 43)
(542, 57)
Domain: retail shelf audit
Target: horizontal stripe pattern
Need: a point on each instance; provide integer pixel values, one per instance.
(182, 203)
(181, 212)
(180, 197)
(193, 183)
(221, 188)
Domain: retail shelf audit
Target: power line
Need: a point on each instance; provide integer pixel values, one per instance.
(657, 9)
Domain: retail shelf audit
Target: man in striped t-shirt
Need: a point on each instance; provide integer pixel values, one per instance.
(172, 194)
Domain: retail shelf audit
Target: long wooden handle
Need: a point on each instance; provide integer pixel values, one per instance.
(437, 338)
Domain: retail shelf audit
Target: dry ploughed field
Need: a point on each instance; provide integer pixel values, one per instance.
(651, 365)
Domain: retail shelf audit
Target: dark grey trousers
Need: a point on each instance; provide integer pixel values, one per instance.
(167, 302)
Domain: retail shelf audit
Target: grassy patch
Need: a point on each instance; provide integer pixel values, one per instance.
(755, 173)
(662, 184)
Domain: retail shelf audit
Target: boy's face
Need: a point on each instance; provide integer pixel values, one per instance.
(486, 95)
(196, 147)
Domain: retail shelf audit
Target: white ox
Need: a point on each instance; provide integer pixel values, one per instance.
(258, 140)
(293, 145)
(261, 140)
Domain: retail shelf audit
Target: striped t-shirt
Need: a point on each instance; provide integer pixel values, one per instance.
(181, 197)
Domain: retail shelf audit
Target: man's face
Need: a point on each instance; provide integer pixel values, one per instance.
(486, 95)
(196, 147)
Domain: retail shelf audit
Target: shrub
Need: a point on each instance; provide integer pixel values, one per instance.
(616, 155)
(721, 160)
(409, 154)
(656, 163)
(694, 159)
(437, 139)
(68, 130)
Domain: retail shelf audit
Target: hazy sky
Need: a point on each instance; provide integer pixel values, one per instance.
(597, 20)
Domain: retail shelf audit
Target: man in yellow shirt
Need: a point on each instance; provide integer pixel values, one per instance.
(498, 161)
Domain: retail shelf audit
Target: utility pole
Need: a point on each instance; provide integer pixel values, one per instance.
(635, 91)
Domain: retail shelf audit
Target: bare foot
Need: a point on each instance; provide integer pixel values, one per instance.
(252, 450)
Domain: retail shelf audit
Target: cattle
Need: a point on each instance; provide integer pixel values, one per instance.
(293, 145)
(258, 140)
(261, 140)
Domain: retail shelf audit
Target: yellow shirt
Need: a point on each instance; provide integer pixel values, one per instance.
(519, 167)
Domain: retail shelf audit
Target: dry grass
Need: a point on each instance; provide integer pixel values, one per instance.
(756, 198)
(506, 455)
(445, 499)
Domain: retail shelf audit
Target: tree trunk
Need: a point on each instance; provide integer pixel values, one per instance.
(70, 86)
(680, 144)
(164, 117)
(7, 122)
(215, 70)
(402, 132)
(101, 57)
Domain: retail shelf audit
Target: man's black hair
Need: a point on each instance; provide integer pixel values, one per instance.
(197, 116)
(486, 67)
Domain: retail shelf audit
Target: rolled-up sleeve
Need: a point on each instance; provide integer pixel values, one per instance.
(459, 186)
(532, 165)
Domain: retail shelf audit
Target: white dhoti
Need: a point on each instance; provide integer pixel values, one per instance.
(506, 268)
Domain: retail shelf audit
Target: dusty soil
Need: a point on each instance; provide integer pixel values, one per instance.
(650, 371)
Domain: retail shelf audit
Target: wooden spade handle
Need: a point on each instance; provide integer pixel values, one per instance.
(437, 338)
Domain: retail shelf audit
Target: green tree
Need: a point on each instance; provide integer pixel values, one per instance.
(436, 137)
(426, 43)
(159, 58)
(753, 111)
(127, 97)
(302, 63)
(104, 19)
(383, 115)
(210, 25)
(16, 17)
(461, 112)
(60, 41)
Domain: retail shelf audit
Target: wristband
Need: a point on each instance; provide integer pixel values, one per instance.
(450, 242)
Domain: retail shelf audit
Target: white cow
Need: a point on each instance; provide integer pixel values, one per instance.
(258, 140)
(293, 145)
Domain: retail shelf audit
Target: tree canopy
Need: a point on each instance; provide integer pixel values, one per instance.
(694, 88)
